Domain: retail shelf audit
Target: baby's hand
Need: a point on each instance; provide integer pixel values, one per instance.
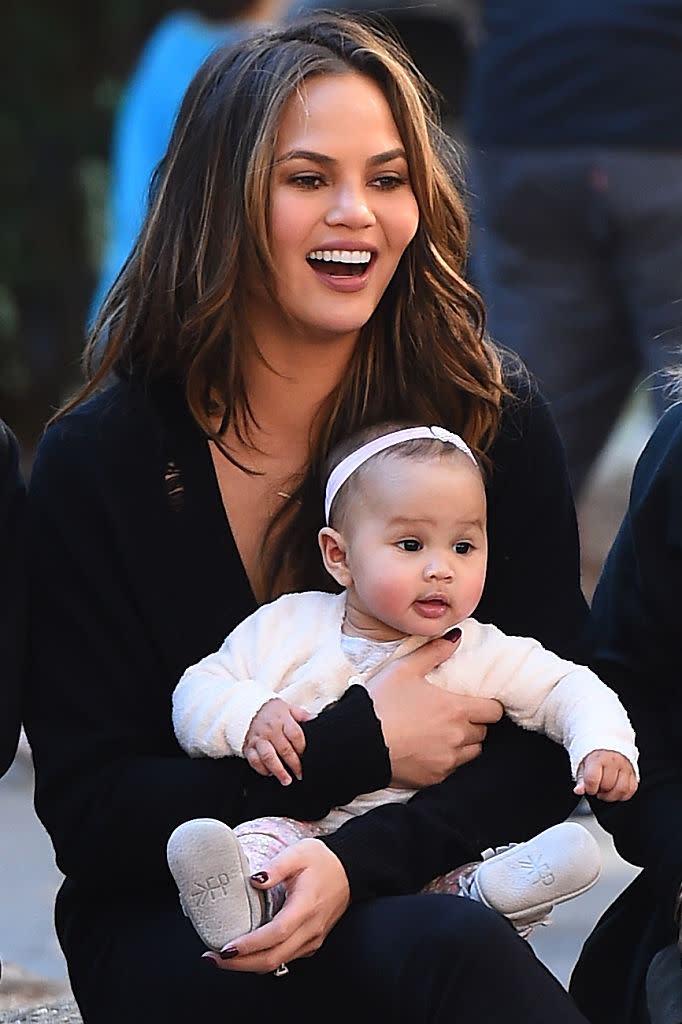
(606, 774)
(275, 734)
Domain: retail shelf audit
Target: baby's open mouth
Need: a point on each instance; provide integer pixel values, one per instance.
(432, 607)
(340, 262)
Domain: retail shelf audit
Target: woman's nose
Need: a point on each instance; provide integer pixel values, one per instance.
(351, 208)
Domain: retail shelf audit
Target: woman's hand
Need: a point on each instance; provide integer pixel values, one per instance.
(317, 895)
(428, 731)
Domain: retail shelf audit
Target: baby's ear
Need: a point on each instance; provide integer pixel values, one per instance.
(333, 548)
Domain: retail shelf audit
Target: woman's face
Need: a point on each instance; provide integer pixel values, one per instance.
(342, 210)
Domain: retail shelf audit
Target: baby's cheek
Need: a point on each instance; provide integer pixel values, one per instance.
(389, 598)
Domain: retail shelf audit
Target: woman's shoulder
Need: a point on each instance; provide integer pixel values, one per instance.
(523, 394)
(527, 429)
(659, 467)
(116, 429)
(666, 438)
(120, 411)
(9, 449)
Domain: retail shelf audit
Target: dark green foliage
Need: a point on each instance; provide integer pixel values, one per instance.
(64, 65)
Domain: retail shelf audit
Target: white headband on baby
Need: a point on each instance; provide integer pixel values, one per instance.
(347, 466)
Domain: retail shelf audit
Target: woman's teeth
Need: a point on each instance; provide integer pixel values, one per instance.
(340, 261)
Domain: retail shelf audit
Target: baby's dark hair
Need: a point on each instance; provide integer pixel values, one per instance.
(422, 448)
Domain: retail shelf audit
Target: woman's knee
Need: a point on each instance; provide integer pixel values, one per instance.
(444, 940)
(460, 931)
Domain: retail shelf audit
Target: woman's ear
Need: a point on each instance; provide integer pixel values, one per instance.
(333, 548)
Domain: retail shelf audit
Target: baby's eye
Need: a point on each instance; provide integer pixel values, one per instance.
(463, 547)
(410, 544)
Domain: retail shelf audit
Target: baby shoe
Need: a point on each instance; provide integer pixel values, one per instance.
(524, 881)
(212, 875)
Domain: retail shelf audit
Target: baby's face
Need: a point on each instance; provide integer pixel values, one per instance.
(416, 546)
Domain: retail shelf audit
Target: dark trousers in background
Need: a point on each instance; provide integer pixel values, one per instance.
(578, 254)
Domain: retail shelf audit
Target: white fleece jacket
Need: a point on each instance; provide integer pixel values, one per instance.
(291, 648)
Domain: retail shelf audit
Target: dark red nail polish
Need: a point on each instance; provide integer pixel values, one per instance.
(260, 876)
(453, 634)
(208, 959)
(228, 953)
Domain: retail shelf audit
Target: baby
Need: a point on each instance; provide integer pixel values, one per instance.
(406, 540)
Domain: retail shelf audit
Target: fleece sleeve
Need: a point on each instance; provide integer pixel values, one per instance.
(217, 698)
(540, 691)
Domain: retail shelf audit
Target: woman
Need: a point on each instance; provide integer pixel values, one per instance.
(636, 609)
(298, 275)
(12, 594)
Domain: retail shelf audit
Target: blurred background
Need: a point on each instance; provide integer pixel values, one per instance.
(74, 71)
(64, 70)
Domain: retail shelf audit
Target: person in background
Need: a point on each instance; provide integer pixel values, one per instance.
(574, 133)
(144, 118)
(299, 275)
(630, 969)
(12, 595)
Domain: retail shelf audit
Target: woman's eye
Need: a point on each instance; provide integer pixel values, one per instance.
(463, 547)
(309, 181)
(409, 544)
(387, 182)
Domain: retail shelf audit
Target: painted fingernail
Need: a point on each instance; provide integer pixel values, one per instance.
(209, 958)
(228, 953)
(453, 634)
(260, 876)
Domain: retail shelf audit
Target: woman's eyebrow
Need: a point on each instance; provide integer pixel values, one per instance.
(305, 154)
(322, 158)
(390, 154)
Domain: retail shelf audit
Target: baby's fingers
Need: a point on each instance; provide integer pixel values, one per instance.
(255, 761)
(288, 754)
(294, 735)
(624, 786)
(269, 757)
(300, 714)
(590, 777)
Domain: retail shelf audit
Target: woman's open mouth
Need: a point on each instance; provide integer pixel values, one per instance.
(340, 262)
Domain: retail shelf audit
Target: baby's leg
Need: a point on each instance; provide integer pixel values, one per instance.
(263, 838)
(212, 863)
(524, 881)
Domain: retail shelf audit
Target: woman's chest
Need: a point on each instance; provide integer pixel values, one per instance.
(251, 501)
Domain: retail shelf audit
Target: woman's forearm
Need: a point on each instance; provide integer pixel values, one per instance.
(519, 785)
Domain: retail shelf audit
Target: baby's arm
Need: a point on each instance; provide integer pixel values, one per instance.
(606, 774)
(217, 698)
(572, 705)
(544, 693)
(275, 739)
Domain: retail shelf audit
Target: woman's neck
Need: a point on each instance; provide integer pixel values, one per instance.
(287, 386)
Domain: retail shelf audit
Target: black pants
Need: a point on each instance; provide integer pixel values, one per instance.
(578, 254)
(609, 979)
(411, 959)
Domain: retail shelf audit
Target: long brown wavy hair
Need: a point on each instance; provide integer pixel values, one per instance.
(175, 311)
